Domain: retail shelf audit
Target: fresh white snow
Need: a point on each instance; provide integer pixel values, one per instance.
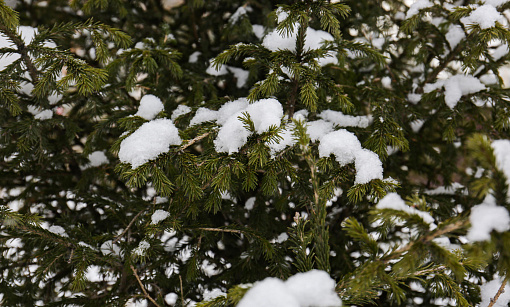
(150, 106)
(485, 218)
(314, 288)
(148, 142)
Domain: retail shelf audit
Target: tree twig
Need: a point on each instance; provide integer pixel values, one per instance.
(498, 294)
(142, 287)
(193, 141)
(182, 291)
(220, 230)
(127, 228)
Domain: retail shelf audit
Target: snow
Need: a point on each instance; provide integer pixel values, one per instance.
(313, 288)
(27, 34)
(240, 74)
(43, 115)
(287, 139)
(220, 71)
(203, 115)
(233, 135)
(259, 31)
(58, 230)
(496, 3)
(97, 158)
(241, 11)
(501, 149)
(395, 202)
(319, 128)
(484, 16)
(158, 216)
(347, 149)
(499, 52)
(150, 106)
(181, 110)
(193, 58)
(148, 142)
(171, 298)
(489, 79)
(142, 247)
(275, 41)
(342, 120)
(489, 289)
(455, 87)
(417, 6)
(414, 98)
(485, 218)
(368, 166)
(454, 35)
(108, 248)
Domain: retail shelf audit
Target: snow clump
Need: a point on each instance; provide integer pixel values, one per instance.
(455, 87)
(417, 6)
(314, 288)
(158, 216)
(347, 149)
(97, 158)
(484, 16)
(395, 202)
(485, 218)
(142, 247)
(150, 106)
(501, 149)
(180, 111)
(58, 230)
(148, 142)
(275, 41)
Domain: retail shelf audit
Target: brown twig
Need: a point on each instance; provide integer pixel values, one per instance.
(143, 288)
(498, 294)
(182, 291)
(127, 228)
(220, 230)
(193, 141)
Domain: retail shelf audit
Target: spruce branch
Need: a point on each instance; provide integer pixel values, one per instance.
(23, 51)
(142, 286)
(193, 141)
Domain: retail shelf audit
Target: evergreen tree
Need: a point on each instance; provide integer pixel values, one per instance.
(224, 153)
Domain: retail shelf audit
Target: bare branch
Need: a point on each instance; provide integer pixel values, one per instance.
(142, 287)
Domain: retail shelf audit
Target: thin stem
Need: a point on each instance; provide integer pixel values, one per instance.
(128, 226)
(220, 230)
(193, 141)
(498, 294)
(182, 291)
(142, 287)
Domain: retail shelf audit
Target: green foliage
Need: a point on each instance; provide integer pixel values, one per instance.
(79, 227)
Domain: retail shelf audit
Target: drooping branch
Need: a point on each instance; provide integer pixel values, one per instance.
(23, 51)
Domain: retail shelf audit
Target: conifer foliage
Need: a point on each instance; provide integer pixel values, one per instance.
(254, 153)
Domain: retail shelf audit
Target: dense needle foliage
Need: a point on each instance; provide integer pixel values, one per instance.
(419, 88)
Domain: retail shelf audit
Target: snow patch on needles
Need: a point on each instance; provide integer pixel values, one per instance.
(148, 142)
(496, 3)
(275, 41)
(395, 202)
(58, 230)
(97, 158)
(489, 289)
(181, 110)
(455, 87)
(150, 106)
(484, 16)
(347, 149)
(314, 288)
(232, 134)
(417, 6)
(485, 218)
(158, 216)
(501, 149)
(342, 120)
(142, 247)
